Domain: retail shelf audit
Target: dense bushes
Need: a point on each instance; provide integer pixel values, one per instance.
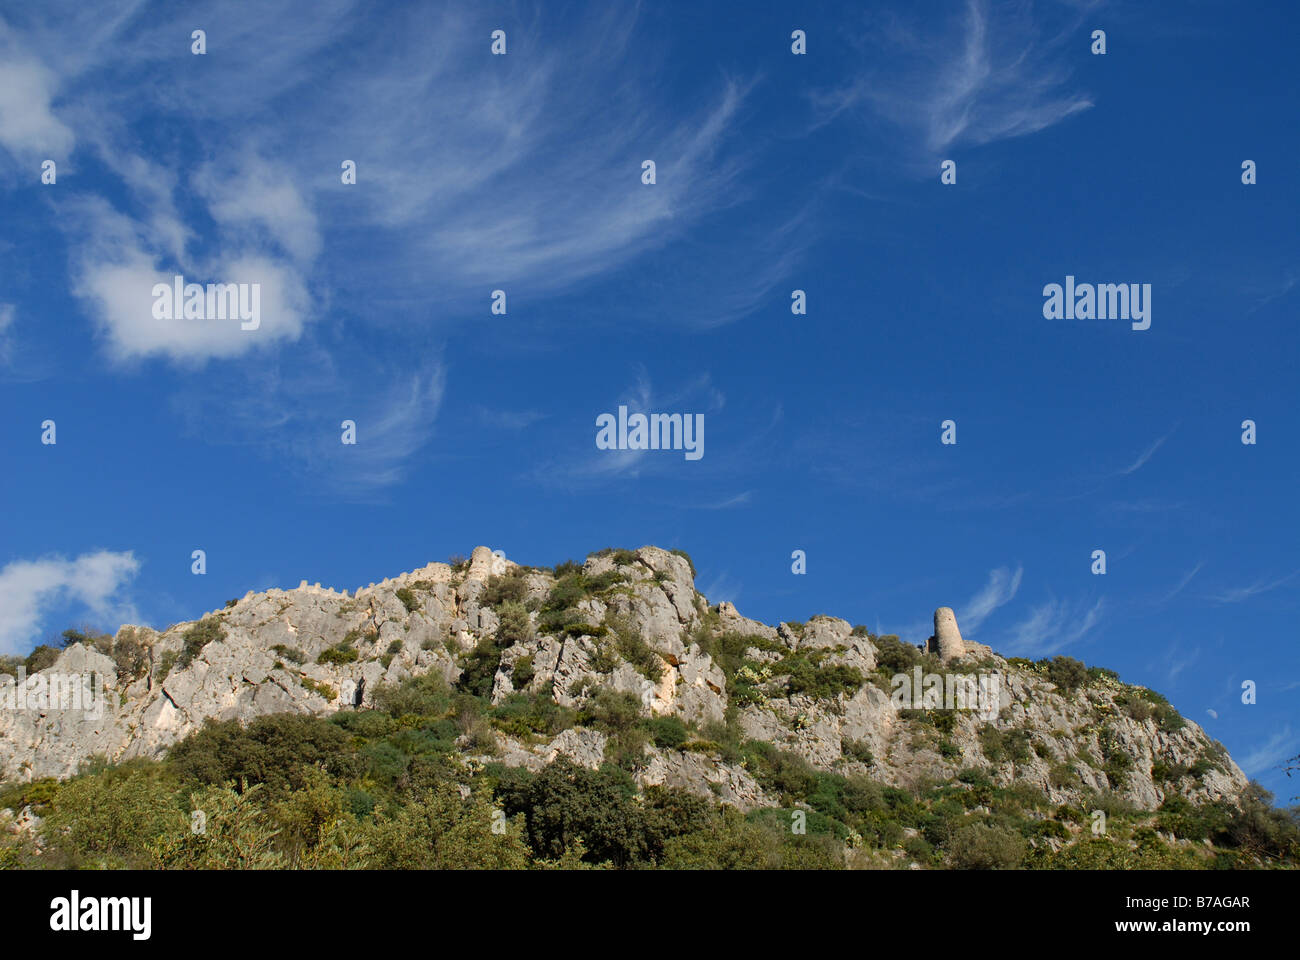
(567, 803)
(979, 846)
(893, 656)
(273, 750)
(807, 676)
(1067, 673)
(385, 788)
(424, 696)
(42, 658)
(505, 586)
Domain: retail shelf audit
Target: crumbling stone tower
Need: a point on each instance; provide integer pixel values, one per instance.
(947, 641)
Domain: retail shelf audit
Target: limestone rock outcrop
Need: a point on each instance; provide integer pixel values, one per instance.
(816, 689)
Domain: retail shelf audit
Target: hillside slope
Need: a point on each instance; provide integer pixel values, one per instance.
(630, 622)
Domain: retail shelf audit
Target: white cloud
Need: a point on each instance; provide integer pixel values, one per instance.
(258, 196)
(116, 273)
(29, 588)
(476, 170)
(28, 128)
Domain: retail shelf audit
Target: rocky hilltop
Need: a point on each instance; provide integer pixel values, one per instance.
(631, 622)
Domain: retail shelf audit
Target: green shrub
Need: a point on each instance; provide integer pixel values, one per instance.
(321, 689)
(858, 750)
(979, 846)
(424, 696)
(633, 649)
(805, 675)
(687, 557)
(621, 557)
(1166, 717)
(566, 803)
(1101, 673)
(893, 656)
(199, 636)
(130, 655)
(292, 654)
(278, 750)
(340, 653)
(668, 732)
(728, 649)
(479, 668)
(1000, 745)
(1061, 775)
(42, 658)
(1066, 672)
(1051, 828)
(409, 600)
(1136, 706)
(103, 642)
(166, 661)
(113, 818)
(515, 624)
(521, 714)
(501, 587)
(522, 672)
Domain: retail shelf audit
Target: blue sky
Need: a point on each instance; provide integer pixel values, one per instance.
(774, 172)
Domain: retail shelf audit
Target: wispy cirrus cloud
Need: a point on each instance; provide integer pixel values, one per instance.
(1270, 754)
(727, 503)
(697, 396)
(1239, 594)
(1000, 590)
(1182, 584)
(6, 334)
(473, 172)
(1053, 626)
(992, 74)
(1143, 457)
(722, 588)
